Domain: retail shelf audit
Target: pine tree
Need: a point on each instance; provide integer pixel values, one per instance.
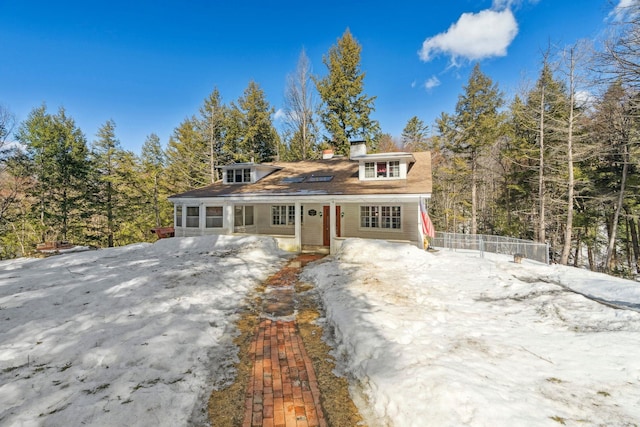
(212, 128)
(187, 153)
(542, 131)
(476, 125)
(414, 135)
(518, 159)
(346, 109)
(610, 171)
(152, 165)
(258, 139)
(58, 154)
(106, 155)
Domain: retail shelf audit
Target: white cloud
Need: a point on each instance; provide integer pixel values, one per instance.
(503, 4)
(584, 98)
(475, 36)
(431, 83)
(279, 114)
(623, 9)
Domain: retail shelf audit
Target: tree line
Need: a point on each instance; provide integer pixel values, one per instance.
(556, 163)
(55, 185)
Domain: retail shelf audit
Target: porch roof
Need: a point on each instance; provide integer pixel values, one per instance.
(344, 181)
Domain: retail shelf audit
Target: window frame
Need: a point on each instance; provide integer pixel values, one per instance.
(383, 169)
(189, 220)
(285, 215)
(212, 219)
(238, 176)
(178, 215)
(244, 216)
(381, 217)
(370, 170)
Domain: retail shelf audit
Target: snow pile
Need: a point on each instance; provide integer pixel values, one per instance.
(452, 339)
(136, 335)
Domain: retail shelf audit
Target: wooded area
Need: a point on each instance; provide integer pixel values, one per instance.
(558, 163)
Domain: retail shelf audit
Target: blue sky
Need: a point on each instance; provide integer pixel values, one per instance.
(149, 64)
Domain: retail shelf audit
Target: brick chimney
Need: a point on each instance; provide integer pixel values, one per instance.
(327, 154)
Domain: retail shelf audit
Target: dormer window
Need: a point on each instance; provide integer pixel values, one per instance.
(240, 175)
(384, 166)
(385, 169)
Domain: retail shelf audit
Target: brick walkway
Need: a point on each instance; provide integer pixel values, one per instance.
(283, 389)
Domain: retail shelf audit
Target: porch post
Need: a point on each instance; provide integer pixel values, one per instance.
(298, 228)
(184, 218)
(332, 227)
(202, 218)
(227, 217)
(421, 236)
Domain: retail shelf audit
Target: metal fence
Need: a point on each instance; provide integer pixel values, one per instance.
(496, 244)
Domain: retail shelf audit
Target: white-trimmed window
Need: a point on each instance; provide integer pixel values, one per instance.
(389, 217)
(285, 214)
(193, 216)
(382, 169)
(242, 215)
(370, 170)
(240, 175)
(178, 216)
(214, 217)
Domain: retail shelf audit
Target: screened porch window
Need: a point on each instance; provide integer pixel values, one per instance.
(178, 216)
(243, 216)
(193, 216)
(214, 217)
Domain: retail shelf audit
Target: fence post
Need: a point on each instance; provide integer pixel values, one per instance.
(481, 246)
(547, 253)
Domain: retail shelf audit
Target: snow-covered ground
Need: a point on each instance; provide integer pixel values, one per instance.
(139, 335)
(451, 339)
(130, 336)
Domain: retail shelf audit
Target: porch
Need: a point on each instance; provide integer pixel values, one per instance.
(304, 225)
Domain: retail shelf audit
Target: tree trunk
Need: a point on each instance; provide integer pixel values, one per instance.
(633, 230)
(541, 190)
(474, 197)
(614, 223)
(568, 230)
(64, 214)
(576, 256)
(110, 226)
(156, 207)
(590, 255)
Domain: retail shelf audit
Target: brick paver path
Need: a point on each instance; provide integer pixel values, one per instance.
(283, 389)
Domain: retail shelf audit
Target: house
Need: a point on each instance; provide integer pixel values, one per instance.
(314, 204)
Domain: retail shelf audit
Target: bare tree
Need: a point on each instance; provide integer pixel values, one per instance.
(574, 56)
(301, 130)
(8, 193)
(7, 123)
(621, 61)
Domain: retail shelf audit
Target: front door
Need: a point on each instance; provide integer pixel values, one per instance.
(326, 224)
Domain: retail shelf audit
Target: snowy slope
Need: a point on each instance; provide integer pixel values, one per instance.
(452, 339)
(136, 335)
(139, 335)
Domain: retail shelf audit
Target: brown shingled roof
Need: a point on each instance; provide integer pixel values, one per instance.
(345, 180)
